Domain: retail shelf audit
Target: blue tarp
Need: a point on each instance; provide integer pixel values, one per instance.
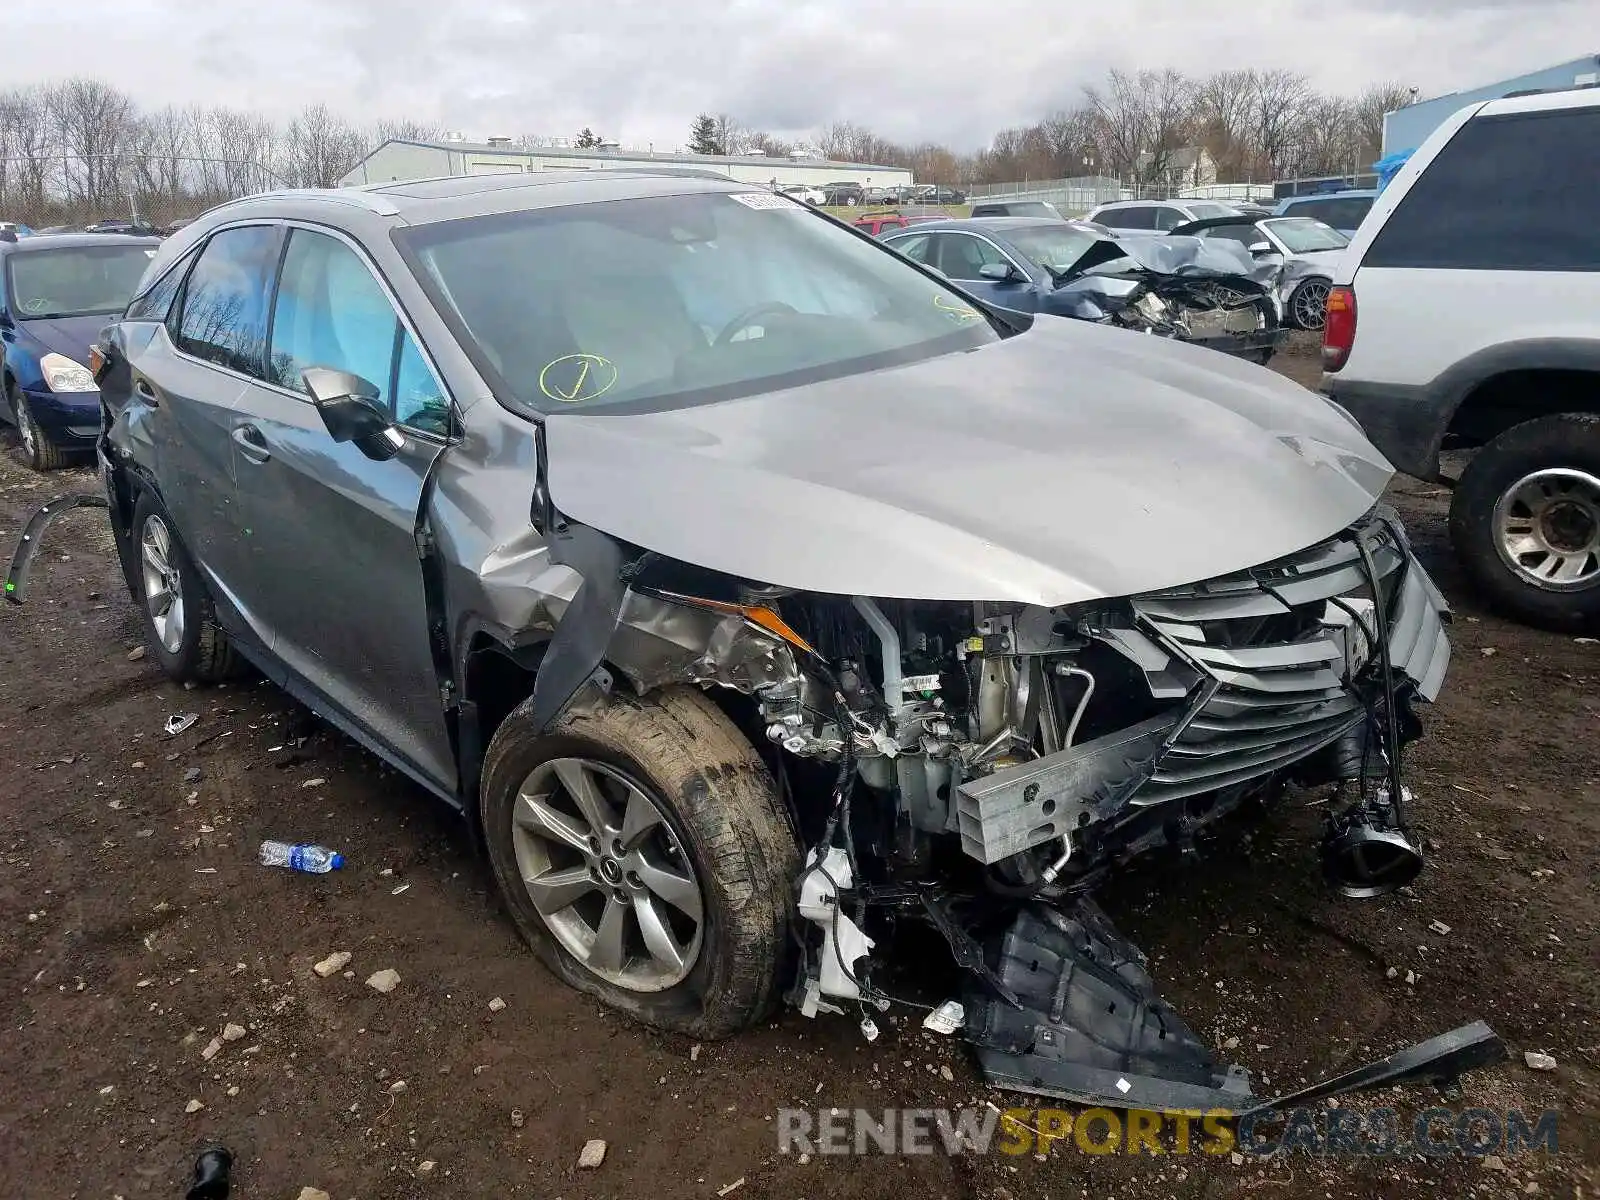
(1389, 166)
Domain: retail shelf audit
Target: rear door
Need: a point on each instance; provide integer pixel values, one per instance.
(1495, 242)
(186, 378)
(335, 573)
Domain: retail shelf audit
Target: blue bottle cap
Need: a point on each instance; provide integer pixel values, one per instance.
(336, 861)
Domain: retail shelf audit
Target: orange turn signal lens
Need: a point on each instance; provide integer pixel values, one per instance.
(766, 618)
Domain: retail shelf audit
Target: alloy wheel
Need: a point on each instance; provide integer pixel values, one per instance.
(1310, 305)
(607, 874)
(1547, 529)
(163, 594)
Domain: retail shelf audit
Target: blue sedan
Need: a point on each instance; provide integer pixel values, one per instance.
(56, 292)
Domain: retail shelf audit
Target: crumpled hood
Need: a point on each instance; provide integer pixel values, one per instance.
(71, 336)
(1071, 462)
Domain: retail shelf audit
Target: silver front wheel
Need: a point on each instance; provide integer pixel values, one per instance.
(163, 592)
(1308, 308)
(607, 874)
(1547, 528)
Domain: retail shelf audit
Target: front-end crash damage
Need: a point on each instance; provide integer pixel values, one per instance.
(982, 766)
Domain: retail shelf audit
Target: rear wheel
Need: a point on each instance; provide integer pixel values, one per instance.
(179, 620)
(643, 854)
(37, 449)
(1525, 521)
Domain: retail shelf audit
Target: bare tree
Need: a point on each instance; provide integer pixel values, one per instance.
(1369, 109)
(93, 122)
(318, 148)
(414, 131)
(160, 153)
(756, 141)
(1278, 108)
(1223, 106)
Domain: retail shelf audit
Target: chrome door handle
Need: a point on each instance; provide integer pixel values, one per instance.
(251, 444)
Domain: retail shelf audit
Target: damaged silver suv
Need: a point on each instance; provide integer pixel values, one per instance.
(750, 587)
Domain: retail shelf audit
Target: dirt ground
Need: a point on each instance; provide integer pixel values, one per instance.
(135, 925)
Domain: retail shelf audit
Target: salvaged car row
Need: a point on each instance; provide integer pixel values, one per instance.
(751, 584)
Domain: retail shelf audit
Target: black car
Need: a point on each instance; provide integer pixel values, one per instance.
(843, 194)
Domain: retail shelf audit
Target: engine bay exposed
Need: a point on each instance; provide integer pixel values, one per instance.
(985, 766)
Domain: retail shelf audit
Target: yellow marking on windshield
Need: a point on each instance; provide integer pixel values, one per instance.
(957, 310)
(574, 378)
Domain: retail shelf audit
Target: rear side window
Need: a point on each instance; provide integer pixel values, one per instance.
(224, 317)
(155, 302)
(1129, 218)
(1345, 213)
(1508, 193)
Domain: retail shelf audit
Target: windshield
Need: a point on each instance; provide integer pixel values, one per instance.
(1205, 212)
(1054, 247)
(689, 298)
(75, 281)
(1302, 235)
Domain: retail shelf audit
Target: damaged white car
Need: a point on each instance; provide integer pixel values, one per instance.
(747, 586)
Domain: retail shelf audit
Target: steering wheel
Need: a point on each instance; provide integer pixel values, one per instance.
(745, 319)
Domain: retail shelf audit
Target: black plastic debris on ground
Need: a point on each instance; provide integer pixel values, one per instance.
(1092, 1029)
(211, 1175)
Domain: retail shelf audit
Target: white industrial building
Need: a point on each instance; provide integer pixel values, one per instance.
(396, 160)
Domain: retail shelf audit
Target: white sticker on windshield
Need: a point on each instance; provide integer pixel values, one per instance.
(149, 253)
(766, 200)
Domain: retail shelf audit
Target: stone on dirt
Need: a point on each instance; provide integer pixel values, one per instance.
(518, 1120)
(592, 1155)
(384, 981)
(232, 1032)
(497, 1005)
(311, 1193)
(193, 1106)
(213, 1048)
(1539, 1062)
(333, 964)
(136, 654)
(426, 1166)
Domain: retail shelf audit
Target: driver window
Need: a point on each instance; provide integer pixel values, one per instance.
(1168, 218)
(963, 255)
(331, 312)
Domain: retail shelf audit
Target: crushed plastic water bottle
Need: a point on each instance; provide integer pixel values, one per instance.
(314, 860)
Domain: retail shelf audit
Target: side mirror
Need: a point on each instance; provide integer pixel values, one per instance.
(999, 272)
(348, 405)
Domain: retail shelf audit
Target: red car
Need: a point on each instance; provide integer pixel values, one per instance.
(877, 224)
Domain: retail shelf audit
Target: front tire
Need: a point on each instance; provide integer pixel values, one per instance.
(179, 620)
(1525, 521)
(644, 855)
(1308, 305)
(38, 451)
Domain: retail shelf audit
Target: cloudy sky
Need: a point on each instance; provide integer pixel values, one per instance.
(638, 71)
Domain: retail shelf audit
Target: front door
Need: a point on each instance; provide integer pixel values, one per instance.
(331, 534)
(962, 256)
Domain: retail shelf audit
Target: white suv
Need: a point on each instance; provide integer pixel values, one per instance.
(1466, 314)
(1156, 216)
